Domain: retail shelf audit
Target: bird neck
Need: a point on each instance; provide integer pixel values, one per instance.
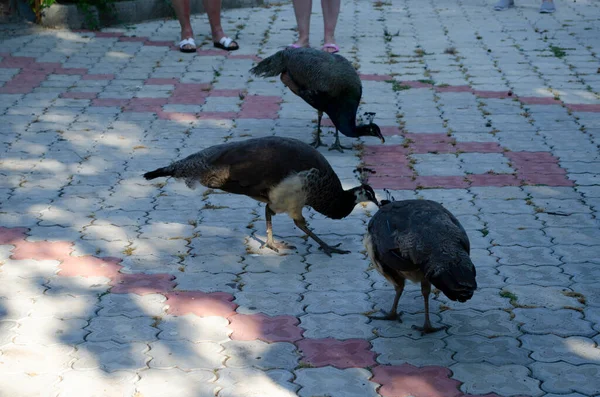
(342, 205)
(343, 116)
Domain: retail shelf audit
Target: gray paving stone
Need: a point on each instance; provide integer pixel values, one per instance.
(400, 350)
(97, 383)
(538, 275)
(352, 382)
(110, 356)
(336, 302)
(496, 351)
(271, 304)
(253, 382)
(34, 358)
(590, 291)
(566, 378)
(7, 331)
(121, 329)
(132, 305)
(541, 296)
(561, 322)
(521, 237)
(161, 382)
(583, 236)
(194, 329)
(533, 256)
(496, 206)
(258, 354)
(275, 264)
(484, 299)
(469, 322)
(185, 355)
(577, 253)
(335, 326)
(206, 282)
(50, 331)
(337, 281)
(272, 282)
(551, 348)
(23, 384)
(485, 378)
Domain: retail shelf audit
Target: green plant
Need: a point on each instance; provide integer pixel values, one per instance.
(38, 6)
(91, 19)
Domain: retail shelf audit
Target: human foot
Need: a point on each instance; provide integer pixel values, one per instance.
(547, 7)
(331, 48)
(502, 5)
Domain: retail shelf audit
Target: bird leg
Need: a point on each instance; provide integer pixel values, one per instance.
(393, 313)
(426, 328)
(337, 145)
(270, 242)
(328, 249)
(317, 141)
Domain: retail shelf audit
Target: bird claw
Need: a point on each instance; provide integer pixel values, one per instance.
(277, 246)
(337, 146)
(330, 249)
(388, 316)
(428, 329)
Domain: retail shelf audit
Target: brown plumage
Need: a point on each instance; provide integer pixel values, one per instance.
(328, 83)
(422, 241)
(284, 173)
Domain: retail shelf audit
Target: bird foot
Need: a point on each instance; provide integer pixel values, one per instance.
(428, 329)
(330, 249)
(388, 316)
(317, 142)
(337, 146)
(278, 246)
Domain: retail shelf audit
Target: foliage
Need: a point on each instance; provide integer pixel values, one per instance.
(38, 6)
(87, 7)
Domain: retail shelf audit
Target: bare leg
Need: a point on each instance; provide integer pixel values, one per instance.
(302, 10)
(270, 242)
(213, 10)
(337, 145)
(393, 314)
(328, 249)
(331, 11)
(317, 142)
(426, 328)
(182, 11)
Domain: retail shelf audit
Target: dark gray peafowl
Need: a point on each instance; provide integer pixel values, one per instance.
(422, 241)
(284, 173)
(328, 83)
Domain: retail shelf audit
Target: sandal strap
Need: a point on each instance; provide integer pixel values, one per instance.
(188, 41)
(226, 41)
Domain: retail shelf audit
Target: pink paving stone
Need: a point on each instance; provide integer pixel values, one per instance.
(430, 137)
(389, 159)
(208, 52)
(201, 303)
(142, 284)
(176, 116)
(454, 88)
(376, 77)
(537, 157)
(217, 115)
(79, 71)
(405, 380)
(12, 235)
(16, 62)
(187, 100)
(416, 84)
(15, 90)
(395, 170)
(265, 328)
(548, 180)
(533, 100)
(492, 94)
(90, 266)
(245, 56)
(448, 182)
(110, 102)
(378, 149)
(390, 130)
(143, 108)
(480, 180)
(528, 167)
(352, 353)
(148, 101)
(78, 95)
(161, 81)
(479, 147)
(132, 39)
(581, 107)
(158, 43)
(98, 77)
(107, 34)
(42, 250)
(394, 183)
(226, 93)
(432, 147)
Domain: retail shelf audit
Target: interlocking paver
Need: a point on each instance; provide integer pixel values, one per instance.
(258, 354)
(561, 322)
(154, 382)
(335, 382)
(252, 382)
(96, 383)
(581, 378)
(504, 380)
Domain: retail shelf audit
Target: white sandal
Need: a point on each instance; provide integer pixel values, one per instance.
(226, 44)
(187, 42)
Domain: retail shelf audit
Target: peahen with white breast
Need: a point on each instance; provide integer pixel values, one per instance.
(422, 241)
(284, 173)
(328, 83)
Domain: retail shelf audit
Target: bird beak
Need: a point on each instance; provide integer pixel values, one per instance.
(380, 136)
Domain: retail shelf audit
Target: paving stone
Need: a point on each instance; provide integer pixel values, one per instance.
(421, 352)
(110, 356)
(28, 384)
(272, 282)
(335, 382)
(576, 253)
(335, 326)
(50, 331)
(485, 378)
(565, 378)
(484, 299)
(194, 329)
(275, 264)
(590, 292)
(253, 382)
(336, 302)
(97, 383)
(533, 256)
(207, 282)
(132, 305)
(121, 329)
(496, 351)
(523, 237)
(559, 322)
(469, 322)
(185, 355)
(546, 297)
(269, 329)
(537, 275)
(582, 272)
(552, 348)
(155, 382)
(337, 281)
(408, 380)
(34, 358)
(271, 304)
(258, 354)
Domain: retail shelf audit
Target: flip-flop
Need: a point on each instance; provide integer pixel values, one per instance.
(189, 41)
(225, 44)
(331, 45)
(294, 46)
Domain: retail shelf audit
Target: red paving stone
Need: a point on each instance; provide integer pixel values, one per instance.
(493, 94)
(12, 235)
(265, 328)
(102, 102)
(497, 180)
(352, 353)
(78, 95)
(548, 180)
(479, 147)
(376, 77)
(42, 250)
(226, 93)
(454, 88)
(394, 183)
(532, 100)
(200, 303)
(90, 266)
(448, 182)
(255, 58)
(260, 107)
(594, 108)
(98, 77)
(405, 380)
(142, 284)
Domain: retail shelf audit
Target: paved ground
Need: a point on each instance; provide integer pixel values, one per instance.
(114, 286)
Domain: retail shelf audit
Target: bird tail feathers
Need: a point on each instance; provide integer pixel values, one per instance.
(271, 66)
(157, 173)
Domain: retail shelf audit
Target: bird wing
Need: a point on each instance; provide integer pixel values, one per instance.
(461, 233)
(397, 250)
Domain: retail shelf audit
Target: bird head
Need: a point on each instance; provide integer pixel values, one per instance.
(366, 127)
(364, 193)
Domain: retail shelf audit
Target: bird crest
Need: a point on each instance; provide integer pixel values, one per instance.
(366, 119)
(388, 198)
(362, 173)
